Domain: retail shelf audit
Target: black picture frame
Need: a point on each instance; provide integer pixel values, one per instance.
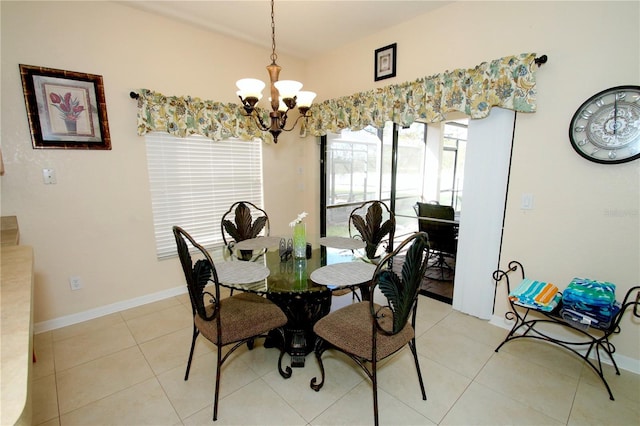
(385, 62)
(66, 109)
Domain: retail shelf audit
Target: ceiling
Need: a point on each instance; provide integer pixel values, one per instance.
(304, 28)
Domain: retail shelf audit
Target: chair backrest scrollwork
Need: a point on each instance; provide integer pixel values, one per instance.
(401, 289)
(373, 221)
(197, 275)
(249, 221)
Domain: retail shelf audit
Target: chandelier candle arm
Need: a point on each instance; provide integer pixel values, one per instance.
(285, 94)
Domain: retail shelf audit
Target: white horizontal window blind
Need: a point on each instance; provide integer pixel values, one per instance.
(195, 180)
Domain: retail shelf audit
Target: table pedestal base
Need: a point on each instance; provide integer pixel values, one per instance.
(303, 309)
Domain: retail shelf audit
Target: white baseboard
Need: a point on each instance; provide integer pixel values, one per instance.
(101, 311)
(624, 362)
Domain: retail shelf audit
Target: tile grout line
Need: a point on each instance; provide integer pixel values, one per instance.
(155, 375)
(85, 363)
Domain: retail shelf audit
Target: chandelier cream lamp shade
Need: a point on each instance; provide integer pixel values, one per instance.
(250, 88)
(285, 95)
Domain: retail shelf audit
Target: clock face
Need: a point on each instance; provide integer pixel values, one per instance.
(606, 128)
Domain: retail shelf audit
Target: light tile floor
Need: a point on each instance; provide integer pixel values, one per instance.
(128, 368)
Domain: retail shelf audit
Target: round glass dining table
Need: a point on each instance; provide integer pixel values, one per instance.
(302, 288)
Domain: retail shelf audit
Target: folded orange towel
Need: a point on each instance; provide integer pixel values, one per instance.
(537, 294)
(546, 294)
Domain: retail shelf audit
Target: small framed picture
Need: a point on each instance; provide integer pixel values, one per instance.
(385, 62)
(66, 109)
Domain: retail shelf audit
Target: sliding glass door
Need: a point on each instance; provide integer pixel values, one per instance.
(372, 164)
(351, 175)
(401, 166)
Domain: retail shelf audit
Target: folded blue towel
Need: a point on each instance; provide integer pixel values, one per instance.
(584, 321)
(595, 299)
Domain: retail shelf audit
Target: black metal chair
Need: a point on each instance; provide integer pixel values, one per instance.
(368, 332)
(375, 224)
(234, 320)
(443, 236)
(249, 222)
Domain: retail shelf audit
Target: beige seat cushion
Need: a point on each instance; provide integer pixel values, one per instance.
(349, 329)
(242, 316)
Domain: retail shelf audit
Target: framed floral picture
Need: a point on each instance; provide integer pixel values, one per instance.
(66, 109)
(385, 62)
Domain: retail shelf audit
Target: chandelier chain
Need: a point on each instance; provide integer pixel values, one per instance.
(273, 36)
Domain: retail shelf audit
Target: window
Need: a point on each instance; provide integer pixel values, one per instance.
(193, 182)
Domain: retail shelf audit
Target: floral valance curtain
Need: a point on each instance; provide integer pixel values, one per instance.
(185, 116)
(507, 82)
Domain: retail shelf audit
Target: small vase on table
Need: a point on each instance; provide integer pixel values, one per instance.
(299, 241)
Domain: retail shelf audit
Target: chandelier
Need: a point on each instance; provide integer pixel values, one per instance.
(285, 95)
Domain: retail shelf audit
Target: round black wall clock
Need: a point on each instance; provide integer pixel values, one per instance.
(606, 127)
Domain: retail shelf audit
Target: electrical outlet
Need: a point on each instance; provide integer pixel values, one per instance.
(75, 283)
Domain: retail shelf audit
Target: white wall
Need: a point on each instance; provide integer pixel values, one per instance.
(585, 220)
(96, 222)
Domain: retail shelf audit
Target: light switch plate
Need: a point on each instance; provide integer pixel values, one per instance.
(526, 202)
(49, 176)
